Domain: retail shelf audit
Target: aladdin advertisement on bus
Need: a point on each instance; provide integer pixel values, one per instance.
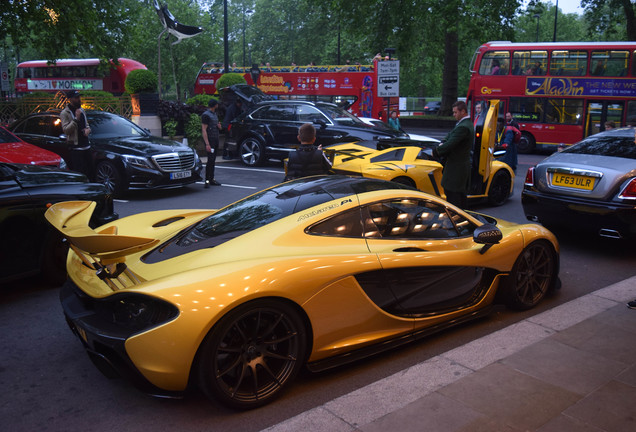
(616, 87)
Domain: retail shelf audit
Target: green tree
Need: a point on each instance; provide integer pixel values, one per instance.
(614, 19)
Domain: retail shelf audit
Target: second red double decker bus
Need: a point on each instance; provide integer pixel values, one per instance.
(558, 92)
(350, 86)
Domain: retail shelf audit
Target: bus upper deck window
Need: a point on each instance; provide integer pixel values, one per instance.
(495, 63)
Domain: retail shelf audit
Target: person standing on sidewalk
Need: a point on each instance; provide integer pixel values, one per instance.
(455, 150)
(233, 111)
(210, 128)
(75, 126)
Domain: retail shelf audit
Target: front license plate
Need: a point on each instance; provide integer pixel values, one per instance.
(180, 175)
(573, 181)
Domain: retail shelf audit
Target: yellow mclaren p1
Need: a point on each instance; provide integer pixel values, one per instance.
(317, 271)
(414, 165)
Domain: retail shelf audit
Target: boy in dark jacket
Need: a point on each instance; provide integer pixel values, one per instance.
(307, 160)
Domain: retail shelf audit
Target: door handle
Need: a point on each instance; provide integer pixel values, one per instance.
(409, 249)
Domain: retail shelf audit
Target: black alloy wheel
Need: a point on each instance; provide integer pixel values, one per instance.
(499, 190)
(108, 174)
(252, 151)
(531, 277)
(252, 354)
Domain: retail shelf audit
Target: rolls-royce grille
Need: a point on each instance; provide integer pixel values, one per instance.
(175, 161)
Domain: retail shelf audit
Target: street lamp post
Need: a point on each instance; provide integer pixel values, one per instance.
(537, 16)
(248, 11)
(249, 45)
(556, 14)
(226, 46)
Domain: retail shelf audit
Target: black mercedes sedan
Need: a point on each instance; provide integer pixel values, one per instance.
(270, 130)
(30, 245)
(124, 155)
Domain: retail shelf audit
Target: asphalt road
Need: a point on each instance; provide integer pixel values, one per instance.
(49, 384)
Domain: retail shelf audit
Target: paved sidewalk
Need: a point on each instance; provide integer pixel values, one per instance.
(571, 368)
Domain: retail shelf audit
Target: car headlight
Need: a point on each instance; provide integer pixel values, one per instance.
(136, 312)
(137, 161)
(63, 164)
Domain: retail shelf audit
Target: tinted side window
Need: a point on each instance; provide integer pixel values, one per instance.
(347, 224)
(394, 155)
(414, 219)
(276, 112)
(37, 125)
(309, 114)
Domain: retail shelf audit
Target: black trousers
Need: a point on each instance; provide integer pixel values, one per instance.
(209, 166)
(456, 198)
(81, 161)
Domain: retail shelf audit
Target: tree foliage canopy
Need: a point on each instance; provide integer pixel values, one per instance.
(434, 40)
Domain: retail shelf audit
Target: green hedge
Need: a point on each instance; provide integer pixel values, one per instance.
(141, 81)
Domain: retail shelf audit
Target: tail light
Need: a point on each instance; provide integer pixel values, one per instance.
(229, 128)
(530, 177)
(629, 191)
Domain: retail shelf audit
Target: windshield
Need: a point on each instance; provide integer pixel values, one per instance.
(341, 116)
(105, 125)
(609, 145)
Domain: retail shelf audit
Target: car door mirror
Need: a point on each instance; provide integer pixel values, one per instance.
(321, 123)
(488, 235)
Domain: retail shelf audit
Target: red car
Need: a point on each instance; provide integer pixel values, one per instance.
(14, 150)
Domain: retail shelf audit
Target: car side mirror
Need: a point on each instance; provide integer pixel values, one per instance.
(321, 123)
(488, 235)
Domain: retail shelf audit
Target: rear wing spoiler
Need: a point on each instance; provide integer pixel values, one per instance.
(104, 251)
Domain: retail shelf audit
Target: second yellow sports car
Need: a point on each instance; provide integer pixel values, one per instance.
(316, 271)
(414, 165)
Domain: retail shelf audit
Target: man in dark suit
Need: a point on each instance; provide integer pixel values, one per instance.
(456, 150)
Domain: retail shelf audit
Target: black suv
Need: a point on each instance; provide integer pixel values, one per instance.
(124, 155)
(270, 129)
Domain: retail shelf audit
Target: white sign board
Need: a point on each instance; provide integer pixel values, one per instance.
(388, 84)
(4, 71)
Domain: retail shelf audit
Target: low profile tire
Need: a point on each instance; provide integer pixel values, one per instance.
(404, 181)
(499, 190)
(107, 173)
(252, 152)
(526, 144)
(252, 354)
(531, 277)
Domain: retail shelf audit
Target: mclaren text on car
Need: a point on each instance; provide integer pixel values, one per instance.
(315, 272)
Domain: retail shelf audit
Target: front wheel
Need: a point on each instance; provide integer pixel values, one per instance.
(252, 152)
(252, 354)
(108, 174)
(499, 190)
(527, 143)
(531, 277)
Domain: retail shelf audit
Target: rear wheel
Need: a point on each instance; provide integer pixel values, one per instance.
(527, 143)
(499, 190)
(252, 152)
(108, 174)
(531, 277)
(252, 354)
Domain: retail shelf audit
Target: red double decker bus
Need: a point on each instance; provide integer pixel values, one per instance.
(350, 86)
(73, 74)
(558, 92)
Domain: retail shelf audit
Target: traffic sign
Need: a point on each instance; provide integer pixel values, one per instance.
(4, 82)
(388, 84)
